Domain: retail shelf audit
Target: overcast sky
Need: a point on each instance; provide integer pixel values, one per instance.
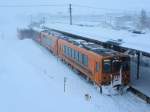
(112, 4)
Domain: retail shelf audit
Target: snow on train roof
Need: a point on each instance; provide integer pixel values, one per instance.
(84, 44)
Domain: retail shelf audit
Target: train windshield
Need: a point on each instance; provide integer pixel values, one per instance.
(126, 65)
(107, 66)
(116, 65)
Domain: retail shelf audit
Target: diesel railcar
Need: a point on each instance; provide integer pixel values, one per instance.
(100, 65)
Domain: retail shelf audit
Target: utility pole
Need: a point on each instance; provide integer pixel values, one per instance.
(65, 80)
(31, 19)
(138, 65)
(70, 13)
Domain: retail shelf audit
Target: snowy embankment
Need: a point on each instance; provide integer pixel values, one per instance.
(27, 81)
(32, 80)
(130, 40)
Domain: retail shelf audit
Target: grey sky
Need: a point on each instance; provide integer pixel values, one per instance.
(112, 4)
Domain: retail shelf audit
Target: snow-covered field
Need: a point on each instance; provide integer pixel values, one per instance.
(32, 80)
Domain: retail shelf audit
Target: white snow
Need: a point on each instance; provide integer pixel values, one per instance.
(32, 80)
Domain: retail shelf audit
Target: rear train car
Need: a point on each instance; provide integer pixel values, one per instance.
(50, 41)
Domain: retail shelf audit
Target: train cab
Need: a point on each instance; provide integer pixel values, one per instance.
(116, 68)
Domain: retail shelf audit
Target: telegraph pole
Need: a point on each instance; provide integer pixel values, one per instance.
(138, 65)
(70, 13)
(65, 80)
(31, 19)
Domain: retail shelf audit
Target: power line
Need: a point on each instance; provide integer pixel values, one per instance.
(38, 5)
(65, 5)
(61, 5)
(98, 8)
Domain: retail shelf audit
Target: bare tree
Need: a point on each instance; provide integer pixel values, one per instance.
(143, 19)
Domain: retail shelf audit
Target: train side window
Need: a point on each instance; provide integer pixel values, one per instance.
(84, 60)
(77, 55)
(73, 53)
(64, 50)
(70, 52)
(97, 67)
(80, 57)
(67, 53)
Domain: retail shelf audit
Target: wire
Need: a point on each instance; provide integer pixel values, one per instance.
(38, 5)
(63, 5)
(97, 8)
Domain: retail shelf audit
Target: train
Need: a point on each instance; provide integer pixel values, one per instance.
(100, 65)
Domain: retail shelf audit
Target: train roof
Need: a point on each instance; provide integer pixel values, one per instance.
(98, 49)
(54, 33)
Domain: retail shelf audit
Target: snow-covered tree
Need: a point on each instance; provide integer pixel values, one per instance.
(143, 19)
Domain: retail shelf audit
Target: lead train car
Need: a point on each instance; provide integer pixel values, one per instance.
(99, 64)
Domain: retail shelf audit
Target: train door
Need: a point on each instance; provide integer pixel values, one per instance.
(97, 71)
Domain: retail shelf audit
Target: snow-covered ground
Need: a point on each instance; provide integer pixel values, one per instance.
(32, 80)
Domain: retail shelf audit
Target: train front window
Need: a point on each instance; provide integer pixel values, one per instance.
(107, 66)
(126, 63)
(116, 65)
(126, 66)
